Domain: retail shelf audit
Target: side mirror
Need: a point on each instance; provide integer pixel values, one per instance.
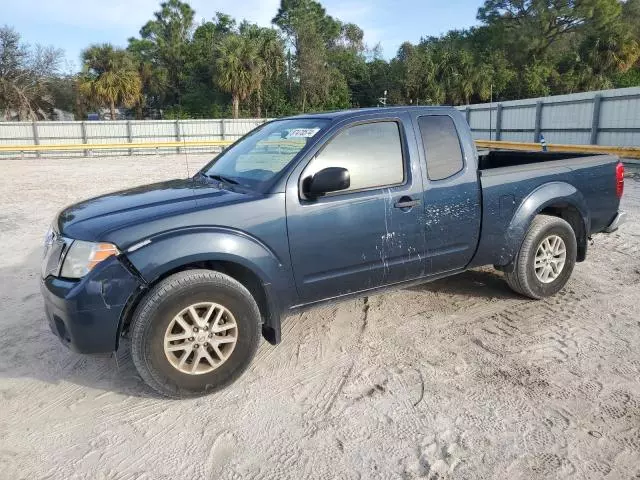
(327, 180)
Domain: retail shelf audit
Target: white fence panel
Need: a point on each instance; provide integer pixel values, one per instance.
(153, 131)
(606, 117)
(620, 113)
(515, 136)
(202, 129)
(52, 132)
(619, 138)
(519, 118)
(106, 132)
(16, 133)
(565, 116)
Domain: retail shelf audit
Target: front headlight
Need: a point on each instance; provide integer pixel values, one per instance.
(83, 256)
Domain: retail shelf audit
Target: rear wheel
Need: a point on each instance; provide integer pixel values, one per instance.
(194, 333)
(546, 258)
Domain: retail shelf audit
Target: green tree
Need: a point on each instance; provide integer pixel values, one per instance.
(497, 71)
(168, 37)
(384, 76)
(153, 76)
(201, 97)
(419, 71)
(605, 56)
(109, 78)
(347, 56)
(536, 80)
(533, 26)
(311, 32)
(314, 61)
(631, 17)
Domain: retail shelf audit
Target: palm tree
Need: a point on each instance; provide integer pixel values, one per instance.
(239, 68)
(466, 77)
(605, 55)
(109, 78)
(270, 61)
(460, 76)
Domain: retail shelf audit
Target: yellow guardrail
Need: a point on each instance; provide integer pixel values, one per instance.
(624, 152)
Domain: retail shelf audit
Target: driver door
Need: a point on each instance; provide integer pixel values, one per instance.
(369, 234)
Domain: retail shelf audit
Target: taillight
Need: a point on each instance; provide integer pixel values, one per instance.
(619, 179)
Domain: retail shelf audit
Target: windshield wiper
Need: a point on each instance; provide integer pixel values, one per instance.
(220, 178)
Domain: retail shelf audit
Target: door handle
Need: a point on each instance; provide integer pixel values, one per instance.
(406, 202)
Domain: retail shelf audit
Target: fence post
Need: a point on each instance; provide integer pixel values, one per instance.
(222, 134)
(538, 125)
(467, 115)
(83, 131)
(36, 137)
(595, 121)
(129, 136)
(178, 138)
(499, 122)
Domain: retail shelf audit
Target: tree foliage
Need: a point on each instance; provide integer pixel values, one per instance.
(109, 78)
(26, 75)
(167, 39)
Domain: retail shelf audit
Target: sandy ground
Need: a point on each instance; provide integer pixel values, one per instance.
(456, 379)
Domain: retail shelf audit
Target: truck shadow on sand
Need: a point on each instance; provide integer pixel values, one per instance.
(482, 283)
(32, 351)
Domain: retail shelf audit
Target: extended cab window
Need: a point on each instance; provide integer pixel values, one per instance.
(372, 153)
(441, 146)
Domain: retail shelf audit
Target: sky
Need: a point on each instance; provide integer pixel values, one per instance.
(73, 24)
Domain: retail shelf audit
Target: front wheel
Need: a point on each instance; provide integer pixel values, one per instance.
(546, 258)
(194, 333)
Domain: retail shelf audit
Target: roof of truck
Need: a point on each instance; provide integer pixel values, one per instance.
(354, 112)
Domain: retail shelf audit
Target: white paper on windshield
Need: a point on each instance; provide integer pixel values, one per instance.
(302, 132)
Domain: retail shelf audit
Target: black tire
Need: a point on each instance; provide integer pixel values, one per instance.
(523, 279)
(167, 299)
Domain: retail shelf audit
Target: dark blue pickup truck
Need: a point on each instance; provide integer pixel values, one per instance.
(305, 210)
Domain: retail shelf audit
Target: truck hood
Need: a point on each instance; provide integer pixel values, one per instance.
(94, 219)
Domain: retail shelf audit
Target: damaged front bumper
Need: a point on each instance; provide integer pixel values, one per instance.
(85, 314)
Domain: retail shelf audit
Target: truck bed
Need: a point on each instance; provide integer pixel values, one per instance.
(499, 159)
(508, 178)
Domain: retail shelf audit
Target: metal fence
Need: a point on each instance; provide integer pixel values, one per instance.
(606, 117)
(122, 132)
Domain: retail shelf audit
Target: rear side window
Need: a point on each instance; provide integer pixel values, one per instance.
(441, 146)
(372, 153)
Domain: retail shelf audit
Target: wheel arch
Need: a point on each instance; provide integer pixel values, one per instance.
(559, 199)
(573, 217)
(245, 259)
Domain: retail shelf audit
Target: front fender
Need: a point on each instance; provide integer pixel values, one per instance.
(169, 251)
(554, 193)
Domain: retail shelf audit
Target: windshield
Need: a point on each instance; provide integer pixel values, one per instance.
(264, 153)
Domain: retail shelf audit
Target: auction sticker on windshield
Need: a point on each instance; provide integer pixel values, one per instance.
(302, 132)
